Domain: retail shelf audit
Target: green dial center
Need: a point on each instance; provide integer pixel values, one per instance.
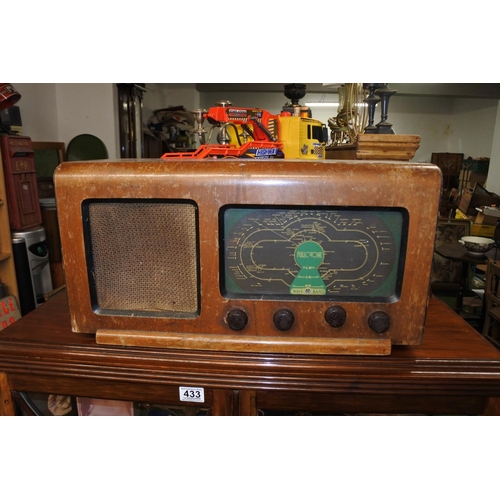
(309, 255)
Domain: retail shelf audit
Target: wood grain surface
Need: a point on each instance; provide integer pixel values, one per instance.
(454, 371)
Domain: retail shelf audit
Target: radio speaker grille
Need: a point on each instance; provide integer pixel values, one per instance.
(144, 257)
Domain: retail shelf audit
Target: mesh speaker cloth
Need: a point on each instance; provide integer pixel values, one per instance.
(145, 257)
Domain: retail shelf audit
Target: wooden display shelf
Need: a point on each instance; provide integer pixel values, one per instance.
(400, 147)
(455, 371)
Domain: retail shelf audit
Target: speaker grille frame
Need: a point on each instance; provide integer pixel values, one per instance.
(139, 265)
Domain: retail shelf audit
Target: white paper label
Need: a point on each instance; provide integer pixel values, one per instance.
(192, 394)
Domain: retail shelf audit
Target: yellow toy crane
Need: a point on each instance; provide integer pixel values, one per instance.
(256, 133)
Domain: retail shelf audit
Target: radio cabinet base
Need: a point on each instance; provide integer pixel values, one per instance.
(239, 343)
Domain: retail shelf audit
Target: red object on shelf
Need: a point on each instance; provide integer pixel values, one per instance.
(8, 96)
(20, 182)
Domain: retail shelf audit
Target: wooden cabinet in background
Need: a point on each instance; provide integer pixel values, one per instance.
(7, 269)
(450, 165)
(19, 176)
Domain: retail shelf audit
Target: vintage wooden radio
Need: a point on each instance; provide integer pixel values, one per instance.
(269, 256)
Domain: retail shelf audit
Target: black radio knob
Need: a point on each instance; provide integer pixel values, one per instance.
(237, 319)
(283, 319)
(379, 321)
(335, 316)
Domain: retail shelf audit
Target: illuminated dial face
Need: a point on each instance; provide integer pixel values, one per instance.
(355, 254)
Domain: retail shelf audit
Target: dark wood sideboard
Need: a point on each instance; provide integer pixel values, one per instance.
(454, 371)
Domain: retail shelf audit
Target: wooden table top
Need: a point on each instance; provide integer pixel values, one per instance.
(40, 353)
(457, 253)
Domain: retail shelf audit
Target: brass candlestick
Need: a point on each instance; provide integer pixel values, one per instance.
(372, 100)
(384, 127)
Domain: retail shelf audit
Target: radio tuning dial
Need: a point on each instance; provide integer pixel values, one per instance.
(237, 319)
(335, 316)
(379, 321)
(283, 319)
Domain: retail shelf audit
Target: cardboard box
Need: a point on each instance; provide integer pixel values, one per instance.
(485, 215)
(484, 230)
(477, 229)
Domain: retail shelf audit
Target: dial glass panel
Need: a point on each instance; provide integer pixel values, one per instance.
(313, 253)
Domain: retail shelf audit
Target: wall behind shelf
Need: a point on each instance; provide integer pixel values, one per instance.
(57, 112)
(446, 123)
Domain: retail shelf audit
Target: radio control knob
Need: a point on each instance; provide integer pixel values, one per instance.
(237, 319)
(379, 321)
(283, 319)
(335, 316)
